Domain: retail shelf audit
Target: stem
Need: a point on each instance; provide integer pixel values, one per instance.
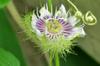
(50, 59)
(49, 5)
(50, 62)
(57, 62)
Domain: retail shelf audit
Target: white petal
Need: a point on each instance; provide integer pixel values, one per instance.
(34, 20)
(78, 31)
(62, 8)
(33, 23)
(44, 12)
(61, 12)
(82, 32)
(38, 33)
(73, 20)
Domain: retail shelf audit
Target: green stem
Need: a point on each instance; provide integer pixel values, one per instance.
(50, 60)
(57, 62)
(49, 5)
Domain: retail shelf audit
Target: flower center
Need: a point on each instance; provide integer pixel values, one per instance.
(53, 26)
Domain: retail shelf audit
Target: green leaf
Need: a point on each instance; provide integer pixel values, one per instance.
(3, 3)
(8, 59)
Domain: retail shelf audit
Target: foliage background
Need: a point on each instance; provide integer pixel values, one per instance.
(9, 39)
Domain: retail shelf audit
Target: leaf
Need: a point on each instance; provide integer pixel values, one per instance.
(3, 3)
(8, 59)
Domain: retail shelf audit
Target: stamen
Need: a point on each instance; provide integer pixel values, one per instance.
(54, 27)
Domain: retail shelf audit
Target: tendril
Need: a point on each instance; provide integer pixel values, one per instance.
(78, 13)
(74, 7)
(89, 18)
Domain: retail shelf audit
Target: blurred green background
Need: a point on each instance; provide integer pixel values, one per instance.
(88, 52)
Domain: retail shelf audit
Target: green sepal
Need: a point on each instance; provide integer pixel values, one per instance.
(27, 27)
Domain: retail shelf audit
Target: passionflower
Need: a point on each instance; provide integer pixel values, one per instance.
(56, 31)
